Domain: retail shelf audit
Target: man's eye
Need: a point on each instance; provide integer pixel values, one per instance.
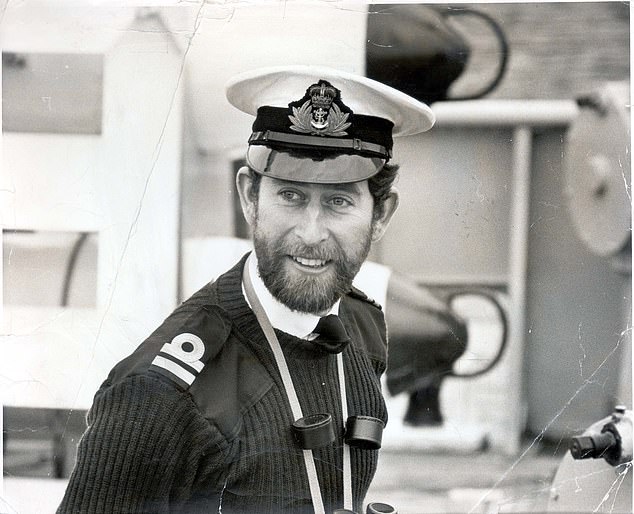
(339, 201)
(290, 195)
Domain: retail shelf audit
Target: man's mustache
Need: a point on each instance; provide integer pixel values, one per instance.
(324, 252)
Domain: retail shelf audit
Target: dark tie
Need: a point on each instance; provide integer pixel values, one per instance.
(332, 337)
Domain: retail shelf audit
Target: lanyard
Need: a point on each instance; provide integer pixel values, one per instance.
(296, 409)
(347, 467)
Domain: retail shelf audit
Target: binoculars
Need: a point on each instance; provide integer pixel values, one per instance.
(317, 430)
(363, 432)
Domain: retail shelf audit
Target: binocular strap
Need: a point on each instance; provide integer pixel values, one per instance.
(347, 466)
(293, 400)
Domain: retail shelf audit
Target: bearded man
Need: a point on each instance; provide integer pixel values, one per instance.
(261, 393)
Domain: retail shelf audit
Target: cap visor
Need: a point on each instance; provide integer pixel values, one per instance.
(335, 169)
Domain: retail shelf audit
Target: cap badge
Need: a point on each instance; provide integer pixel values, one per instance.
(320, 113)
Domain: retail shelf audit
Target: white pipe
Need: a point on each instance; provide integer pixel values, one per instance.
(498, 113)
(518, 260)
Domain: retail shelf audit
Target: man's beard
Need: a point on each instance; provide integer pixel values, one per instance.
(305, 292)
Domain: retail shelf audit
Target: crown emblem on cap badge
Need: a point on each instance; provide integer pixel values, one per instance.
(320, 114)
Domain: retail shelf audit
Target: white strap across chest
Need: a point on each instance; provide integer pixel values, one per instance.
(296, 409)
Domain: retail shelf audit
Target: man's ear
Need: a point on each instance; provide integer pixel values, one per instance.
(389, 208)
(244, 184)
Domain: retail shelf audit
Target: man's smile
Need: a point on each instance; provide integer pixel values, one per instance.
(307, 264)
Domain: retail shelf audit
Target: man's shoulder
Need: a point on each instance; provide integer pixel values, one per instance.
(179, 349)
(198, 352)
(357, 294)
(364, 318)
(183, 344)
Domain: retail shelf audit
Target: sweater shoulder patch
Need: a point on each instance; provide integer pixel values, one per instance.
(360, 295)
(179, 349)
(195, 342)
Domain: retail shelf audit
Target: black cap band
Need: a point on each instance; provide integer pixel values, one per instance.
(282, 139)
(367, 135)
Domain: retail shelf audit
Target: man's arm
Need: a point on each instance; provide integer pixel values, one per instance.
(141, 450)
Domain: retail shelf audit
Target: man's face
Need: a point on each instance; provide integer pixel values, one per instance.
(311, 239)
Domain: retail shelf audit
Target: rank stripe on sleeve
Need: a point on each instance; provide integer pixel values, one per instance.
(178, 355)
(174, 368)
(179, 359)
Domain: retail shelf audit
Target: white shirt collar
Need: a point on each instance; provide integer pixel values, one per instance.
(298, 324)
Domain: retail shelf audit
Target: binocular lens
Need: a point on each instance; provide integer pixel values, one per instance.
(364, 432)
(372, 508)
(380, 508)
(314, 431)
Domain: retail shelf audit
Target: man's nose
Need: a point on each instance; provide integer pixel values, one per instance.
(312, 228)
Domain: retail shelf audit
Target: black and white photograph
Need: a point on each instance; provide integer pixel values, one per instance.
(315, 257)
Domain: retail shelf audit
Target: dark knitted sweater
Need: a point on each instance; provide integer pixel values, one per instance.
(224, 444)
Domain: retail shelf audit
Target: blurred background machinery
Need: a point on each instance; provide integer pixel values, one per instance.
(597, 174)
(597, 474)
(595, 234)
(416, 49)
